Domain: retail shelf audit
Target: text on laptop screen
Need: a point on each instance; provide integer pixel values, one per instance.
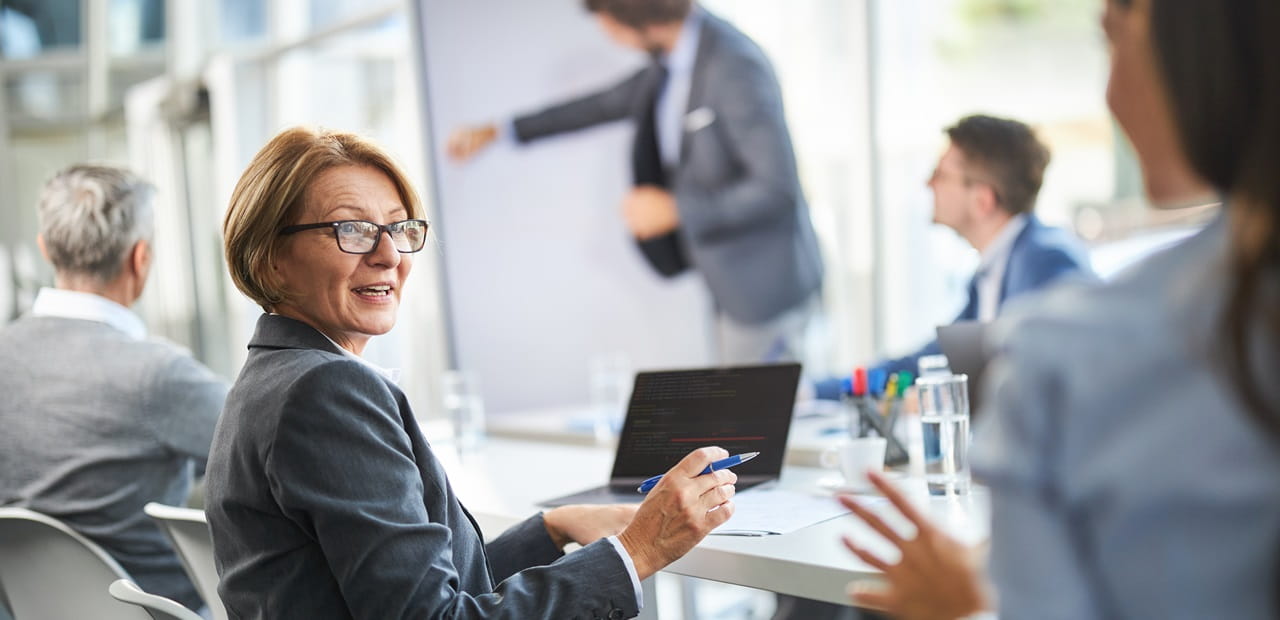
(742, 409)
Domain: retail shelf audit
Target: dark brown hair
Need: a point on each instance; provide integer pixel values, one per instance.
(1008, 152)
(1221, 64)
(640, 13)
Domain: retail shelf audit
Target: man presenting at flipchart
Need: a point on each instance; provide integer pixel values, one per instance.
(715, 182)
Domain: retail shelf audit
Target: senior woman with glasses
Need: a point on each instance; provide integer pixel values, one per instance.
(323, 498)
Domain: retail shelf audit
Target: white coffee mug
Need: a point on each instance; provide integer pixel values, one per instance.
(854, 458)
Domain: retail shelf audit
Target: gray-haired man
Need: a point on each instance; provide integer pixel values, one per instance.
(98, 420)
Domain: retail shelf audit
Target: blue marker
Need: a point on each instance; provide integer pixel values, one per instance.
(724, 463)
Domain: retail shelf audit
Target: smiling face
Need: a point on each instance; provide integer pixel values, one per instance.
(348, 297)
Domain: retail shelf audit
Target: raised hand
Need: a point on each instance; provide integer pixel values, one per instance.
(936, 577)
(465, 142)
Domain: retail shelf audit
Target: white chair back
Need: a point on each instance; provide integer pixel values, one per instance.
(158, 607)
(188, 530)
(47, 570)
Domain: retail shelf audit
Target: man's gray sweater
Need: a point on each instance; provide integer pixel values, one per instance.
(95, 424)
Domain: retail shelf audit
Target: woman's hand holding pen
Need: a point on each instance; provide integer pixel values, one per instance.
(585, 524)
(679, 512)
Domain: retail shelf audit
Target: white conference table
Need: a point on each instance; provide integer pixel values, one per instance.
(502, 481)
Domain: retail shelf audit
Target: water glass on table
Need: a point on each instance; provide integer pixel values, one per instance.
(610, 377)
(944, 416)
(460, 396)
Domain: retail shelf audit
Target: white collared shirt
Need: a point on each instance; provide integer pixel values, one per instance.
(674, 98)
(64, 304)
(991, 268)
(391, 374)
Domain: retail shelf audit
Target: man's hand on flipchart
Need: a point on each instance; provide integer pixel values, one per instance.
(466, 142)
(650, 212)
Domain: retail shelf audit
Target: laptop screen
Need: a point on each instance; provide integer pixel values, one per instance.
(741, 409)
(964, 344)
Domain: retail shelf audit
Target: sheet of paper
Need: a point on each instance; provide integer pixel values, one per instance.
(761, 512)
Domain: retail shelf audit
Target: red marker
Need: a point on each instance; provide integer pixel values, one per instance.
(859, 381)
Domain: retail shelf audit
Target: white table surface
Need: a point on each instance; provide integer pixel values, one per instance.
(501, 482)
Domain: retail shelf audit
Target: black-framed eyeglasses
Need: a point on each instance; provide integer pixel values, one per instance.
(362, 237)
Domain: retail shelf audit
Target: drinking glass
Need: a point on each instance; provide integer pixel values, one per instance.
(610, 378)
(944, 416)
(460, 395)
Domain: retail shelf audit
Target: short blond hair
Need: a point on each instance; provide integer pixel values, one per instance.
(270, 194)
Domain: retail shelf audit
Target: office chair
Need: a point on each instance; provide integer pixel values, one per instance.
(158, 607)
(47, 570)
(188, 530)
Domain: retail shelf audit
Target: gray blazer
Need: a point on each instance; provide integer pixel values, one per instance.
(325, 501)
(743, 216)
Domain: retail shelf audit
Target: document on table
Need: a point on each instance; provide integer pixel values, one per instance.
(761, 512)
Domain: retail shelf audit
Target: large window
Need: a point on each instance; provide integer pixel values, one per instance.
(336, 64)
(64, 68)
(100, 80)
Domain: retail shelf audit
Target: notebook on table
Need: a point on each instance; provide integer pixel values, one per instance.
(672, 412)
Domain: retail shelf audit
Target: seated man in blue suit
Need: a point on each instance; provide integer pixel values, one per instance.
(984, 188)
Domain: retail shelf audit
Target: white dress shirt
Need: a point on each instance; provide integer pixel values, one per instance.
(991, 268)
(64, 304)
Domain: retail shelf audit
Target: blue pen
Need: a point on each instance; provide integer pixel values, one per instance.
(724, 463)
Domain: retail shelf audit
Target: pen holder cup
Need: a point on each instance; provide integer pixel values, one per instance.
(870, 417)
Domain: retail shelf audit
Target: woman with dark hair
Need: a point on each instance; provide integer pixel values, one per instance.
(1133, 450)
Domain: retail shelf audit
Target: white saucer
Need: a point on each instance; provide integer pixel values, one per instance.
(837, 485)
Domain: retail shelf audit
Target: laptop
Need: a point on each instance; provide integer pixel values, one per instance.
(964, 344)
(672, 412)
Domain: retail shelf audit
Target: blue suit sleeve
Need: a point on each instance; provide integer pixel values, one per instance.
(910, 363)
(1052, 263)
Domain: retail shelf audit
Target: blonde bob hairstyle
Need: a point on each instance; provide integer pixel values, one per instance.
(270, 195)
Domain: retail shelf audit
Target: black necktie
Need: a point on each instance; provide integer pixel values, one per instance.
(646, 157)
(665, 253)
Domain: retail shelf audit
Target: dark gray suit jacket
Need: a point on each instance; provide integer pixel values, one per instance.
(743, 217)
(325, 501)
